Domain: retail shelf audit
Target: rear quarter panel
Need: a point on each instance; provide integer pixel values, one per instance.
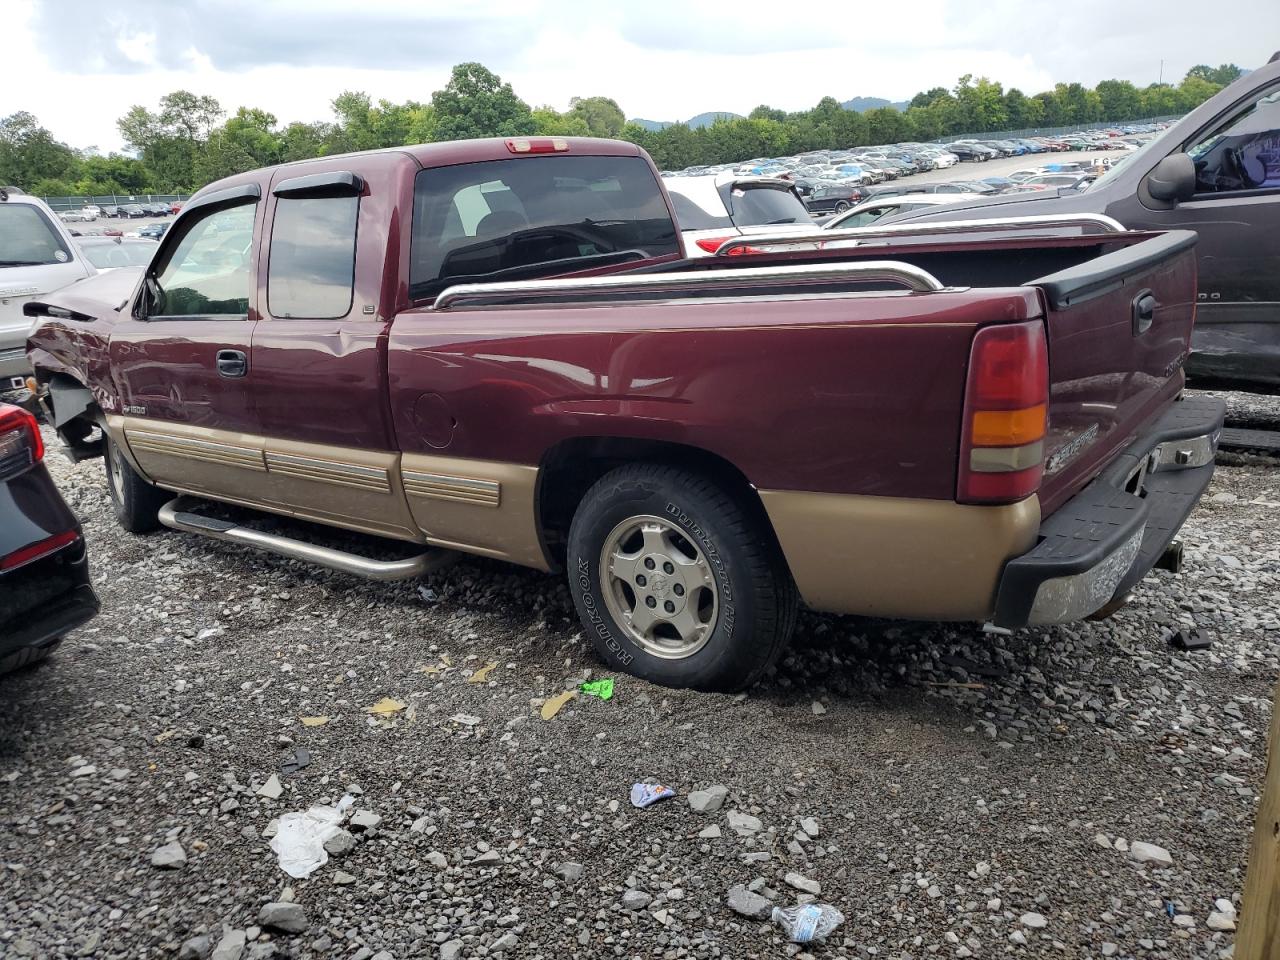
(846, 394)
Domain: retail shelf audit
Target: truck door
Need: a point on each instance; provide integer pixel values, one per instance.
(1236, 211)
(180, 354)
(320, 376)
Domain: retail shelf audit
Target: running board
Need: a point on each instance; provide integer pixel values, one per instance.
(172, 516)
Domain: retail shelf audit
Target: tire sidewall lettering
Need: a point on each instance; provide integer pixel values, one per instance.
(596, 619)
(728, 615)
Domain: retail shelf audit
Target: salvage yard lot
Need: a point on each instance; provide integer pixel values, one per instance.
(964, 785)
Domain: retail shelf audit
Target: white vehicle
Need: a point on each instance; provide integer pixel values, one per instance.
(111, 253)
(870, 211)
(37, 256)
(713, 209)
(90, 212)
(943, 159)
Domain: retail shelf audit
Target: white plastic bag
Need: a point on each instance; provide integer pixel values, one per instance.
(299, 840)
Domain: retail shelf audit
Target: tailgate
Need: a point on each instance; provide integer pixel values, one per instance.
(1119, 329)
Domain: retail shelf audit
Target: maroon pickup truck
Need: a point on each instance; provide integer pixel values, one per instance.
(497, 347)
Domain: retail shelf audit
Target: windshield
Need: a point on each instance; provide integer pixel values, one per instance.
(534, 216)
(107, 255)
(27, 238)
(759, 204)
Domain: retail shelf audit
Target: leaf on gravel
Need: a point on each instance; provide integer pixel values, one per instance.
(481, 675)
(162, 737)
(553, 706)
(385, 707)
(314, 721)
(429, 669)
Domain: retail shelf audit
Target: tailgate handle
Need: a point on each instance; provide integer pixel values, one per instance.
(1144, 312)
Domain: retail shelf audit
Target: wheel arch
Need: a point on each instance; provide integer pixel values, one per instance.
(571, 467)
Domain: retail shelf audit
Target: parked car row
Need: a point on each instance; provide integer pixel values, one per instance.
(124, 211)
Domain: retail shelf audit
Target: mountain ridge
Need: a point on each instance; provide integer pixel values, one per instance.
(858, 104)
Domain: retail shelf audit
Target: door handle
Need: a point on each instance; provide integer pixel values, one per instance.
(1144, 312)
(232, 364)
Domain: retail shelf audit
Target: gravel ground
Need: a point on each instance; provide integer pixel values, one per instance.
(953, 793)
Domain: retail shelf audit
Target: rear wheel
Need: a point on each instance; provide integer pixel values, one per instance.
(841, 206)
(136, 503)
(676, 582)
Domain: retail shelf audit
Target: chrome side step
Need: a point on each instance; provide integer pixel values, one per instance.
(172, 516)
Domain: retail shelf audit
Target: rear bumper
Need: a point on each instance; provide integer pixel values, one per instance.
(1108, 537)
(46, 599)
(13, 364)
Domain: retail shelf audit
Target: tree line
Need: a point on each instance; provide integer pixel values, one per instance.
(190, 141)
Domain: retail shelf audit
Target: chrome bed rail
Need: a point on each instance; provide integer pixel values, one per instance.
(1100, 221)
(915, 279)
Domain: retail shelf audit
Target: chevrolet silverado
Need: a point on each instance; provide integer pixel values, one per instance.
(498, 347)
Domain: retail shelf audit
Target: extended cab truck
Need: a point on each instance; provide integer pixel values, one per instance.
(497, 347)
(1217, 172)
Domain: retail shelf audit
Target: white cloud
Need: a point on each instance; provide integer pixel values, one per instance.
(663, 59)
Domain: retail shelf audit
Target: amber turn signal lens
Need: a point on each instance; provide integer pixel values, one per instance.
(1008, 428)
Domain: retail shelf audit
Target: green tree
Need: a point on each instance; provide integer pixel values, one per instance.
(476, 103)
(1160, 100)
(763, 112)
(981, 104)
(1119, 100)
(1222, 75)
(548, 122)
(927, 97)
(1194, 91)
(221, 156)
(603, 117)
(29, 153)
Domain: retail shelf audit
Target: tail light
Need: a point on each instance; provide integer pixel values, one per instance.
(20, 442)
(41, 548)
(1005, 414)
(712, 244)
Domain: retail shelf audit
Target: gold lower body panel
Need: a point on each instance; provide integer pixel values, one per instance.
(889, 557)
(475, 506)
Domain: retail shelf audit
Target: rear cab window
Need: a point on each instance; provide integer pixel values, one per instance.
(531, 217)
(27, 238)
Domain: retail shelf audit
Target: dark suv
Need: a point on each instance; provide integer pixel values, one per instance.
(834, 198)
(44, 574)
(1215, 171)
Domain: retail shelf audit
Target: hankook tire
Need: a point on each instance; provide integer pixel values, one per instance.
(676, 581)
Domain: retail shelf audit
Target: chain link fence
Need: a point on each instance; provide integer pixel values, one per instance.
(65, 204)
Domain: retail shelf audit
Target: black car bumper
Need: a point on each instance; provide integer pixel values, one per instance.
(45, 599)
(1096, 546)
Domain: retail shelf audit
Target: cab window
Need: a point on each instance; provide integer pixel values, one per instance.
(1243, 153)
(207, 272)
(311, 270)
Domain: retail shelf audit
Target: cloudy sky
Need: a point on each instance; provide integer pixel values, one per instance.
(79, 64)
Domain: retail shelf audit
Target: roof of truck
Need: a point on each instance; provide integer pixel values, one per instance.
(443, 154)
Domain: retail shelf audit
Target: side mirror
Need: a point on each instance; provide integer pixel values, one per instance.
(1173, 179)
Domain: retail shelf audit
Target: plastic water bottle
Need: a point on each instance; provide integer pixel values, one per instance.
(812, 921)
